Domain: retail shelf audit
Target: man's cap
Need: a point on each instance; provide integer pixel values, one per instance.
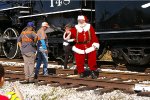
(45, 24)
(30, 24)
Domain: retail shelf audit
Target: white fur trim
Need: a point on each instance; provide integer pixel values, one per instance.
(90, 49)
(85, 28)
(96, 45)
(81, 17)
(65, 43)
(79, 51)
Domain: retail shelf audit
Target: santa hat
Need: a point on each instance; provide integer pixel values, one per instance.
(81, 17)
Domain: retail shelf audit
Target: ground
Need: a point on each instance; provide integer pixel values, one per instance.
(46, 92)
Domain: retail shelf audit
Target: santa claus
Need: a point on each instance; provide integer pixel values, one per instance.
(86, 45)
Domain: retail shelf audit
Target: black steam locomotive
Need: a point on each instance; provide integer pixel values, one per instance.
(123, 27)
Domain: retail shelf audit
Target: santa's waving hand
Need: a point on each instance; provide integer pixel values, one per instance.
(86, 44)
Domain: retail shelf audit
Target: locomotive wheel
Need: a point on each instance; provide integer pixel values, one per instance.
(117, 57)
(10, 47)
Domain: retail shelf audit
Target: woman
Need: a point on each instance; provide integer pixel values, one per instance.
(67, 44)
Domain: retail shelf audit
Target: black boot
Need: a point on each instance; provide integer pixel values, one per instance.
(94, 74)
(83, 75)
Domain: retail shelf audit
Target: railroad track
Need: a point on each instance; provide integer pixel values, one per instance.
(101, 64)
(67, 78)
(145, 69)
(21, 60)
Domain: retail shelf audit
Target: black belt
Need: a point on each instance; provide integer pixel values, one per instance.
(85, 42)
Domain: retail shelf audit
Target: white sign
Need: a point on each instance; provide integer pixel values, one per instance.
(59, 3)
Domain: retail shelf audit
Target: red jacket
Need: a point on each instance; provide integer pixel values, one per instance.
(85, 38)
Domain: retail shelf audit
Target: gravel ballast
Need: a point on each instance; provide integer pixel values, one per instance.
(46, 92)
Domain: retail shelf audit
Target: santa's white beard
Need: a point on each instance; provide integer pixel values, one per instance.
(82, 25)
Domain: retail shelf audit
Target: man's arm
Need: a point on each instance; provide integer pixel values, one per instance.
(35, 36)
(19, 41)
(19, 44)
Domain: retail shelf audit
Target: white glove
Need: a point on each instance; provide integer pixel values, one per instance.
(96, 45)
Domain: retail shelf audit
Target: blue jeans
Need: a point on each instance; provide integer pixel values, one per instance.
(42, 57)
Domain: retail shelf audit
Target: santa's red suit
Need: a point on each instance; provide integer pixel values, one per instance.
(86, 44)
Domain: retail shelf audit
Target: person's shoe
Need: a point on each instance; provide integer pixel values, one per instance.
(36, 81)
(46, 74)
(87, 72)
(35, 76)
(31, 80)
(83, 75)
(94, 74)
(25, 81)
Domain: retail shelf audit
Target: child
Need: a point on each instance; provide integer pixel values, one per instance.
(16, 93)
